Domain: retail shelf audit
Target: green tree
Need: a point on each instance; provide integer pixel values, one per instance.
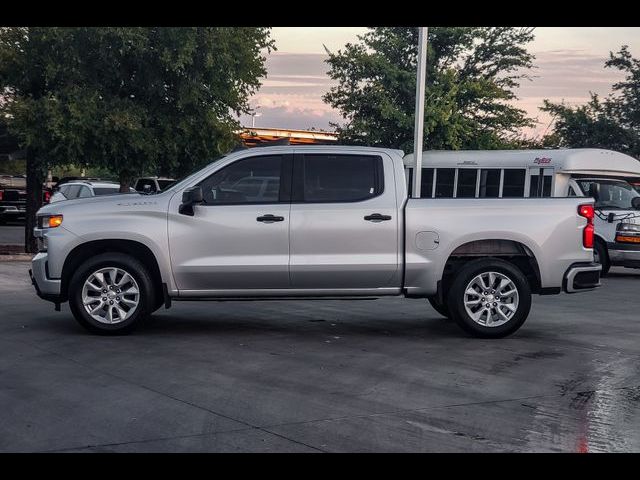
(132, 100)
(612, 122)
(472, 73)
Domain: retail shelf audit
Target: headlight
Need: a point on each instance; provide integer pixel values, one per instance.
(49, 221)
(628, 233)
(628, 228)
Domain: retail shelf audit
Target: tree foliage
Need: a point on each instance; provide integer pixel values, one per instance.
(130, 99)
(612, 122)
(472, 73)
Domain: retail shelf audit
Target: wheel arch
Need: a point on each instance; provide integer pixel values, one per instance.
(513, 251)
(89, 249)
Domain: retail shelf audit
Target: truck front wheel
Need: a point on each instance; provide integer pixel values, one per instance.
(111, 294)
(489, 298)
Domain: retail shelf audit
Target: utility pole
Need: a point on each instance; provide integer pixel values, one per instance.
(419, 123)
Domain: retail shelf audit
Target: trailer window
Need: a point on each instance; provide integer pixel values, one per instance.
(540, 184)
(466, 187)
(444, 182)
(426, 183)
(489, 183)
(513, 185)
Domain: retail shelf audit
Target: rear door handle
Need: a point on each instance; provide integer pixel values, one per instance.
(376, 217)
(270, 218)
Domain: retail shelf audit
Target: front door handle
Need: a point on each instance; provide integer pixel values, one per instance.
(270, 218)
(376, 217)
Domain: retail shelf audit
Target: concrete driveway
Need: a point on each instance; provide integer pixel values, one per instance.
(321, 376)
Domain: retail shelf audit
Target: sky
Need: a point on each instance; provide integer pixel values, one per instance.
(569, 61)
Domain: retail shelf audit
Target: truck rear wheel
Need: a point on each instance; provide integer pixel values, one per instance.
(489, 298)
(111, 294)
(601, 256)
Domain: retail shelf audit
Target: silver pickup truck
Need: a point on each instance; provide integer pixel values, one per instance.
(309, 222)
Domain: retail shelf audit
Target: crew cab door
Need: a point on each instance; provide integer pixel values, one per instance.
(344, 222)
(239, 237)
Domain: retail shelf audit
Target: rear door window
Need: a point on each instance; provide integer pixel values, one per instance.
(341, 178)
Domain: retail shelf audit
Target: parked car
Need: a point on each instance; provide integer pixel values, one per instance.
(339, 225)
(64, 180)
(583, 172)
(152, 184)
(13, 197)
(85, 189)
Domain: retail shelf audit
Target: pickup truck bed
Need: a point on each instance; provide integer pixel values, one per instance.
(331, 222)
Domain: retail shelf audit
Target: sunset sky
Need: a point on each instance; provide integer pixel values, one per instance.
(570, 63)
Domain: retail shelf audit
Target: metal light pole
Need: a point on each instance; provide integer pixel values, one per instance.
(253, 117)
(419, 123)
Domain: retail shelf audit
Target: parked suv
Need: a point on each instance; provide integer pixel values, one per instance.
(85, 189)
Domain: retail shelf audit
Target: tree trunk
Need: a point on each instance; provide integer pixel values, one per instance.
(125, 181)
(35, 178)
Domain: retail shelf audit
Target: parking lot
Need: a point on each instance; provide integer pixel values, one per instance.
(315, 376)
(12, 233)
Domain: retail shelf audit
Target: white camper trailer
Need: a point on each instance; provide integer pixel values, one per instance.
(547, 173)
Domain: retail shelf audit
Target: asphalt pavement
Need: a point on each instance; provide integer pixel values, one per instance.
(322, 376)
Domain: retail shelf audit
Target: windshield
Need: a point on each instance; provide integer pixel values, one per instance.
(614, 194)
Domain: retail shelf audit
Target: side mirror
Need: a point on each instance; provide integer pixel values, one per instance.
(635, 203)
(594, 191)
(190, 197)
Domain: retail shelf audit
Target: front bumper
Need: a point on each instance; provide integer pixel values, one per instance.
(624, 254)
(46, 288)
(581, 277)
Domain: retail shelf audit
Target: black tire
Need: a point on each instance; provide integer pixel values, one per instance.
(456, 297)
(439, 307)
(147, 297)
(601, 256)
(3, 220)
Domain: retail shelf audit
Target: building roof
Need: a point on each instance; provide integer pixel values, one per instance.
(257, 136)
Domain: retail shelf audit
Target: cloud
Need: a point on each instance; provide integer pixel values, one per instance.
(291, 94)
(564, 75)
